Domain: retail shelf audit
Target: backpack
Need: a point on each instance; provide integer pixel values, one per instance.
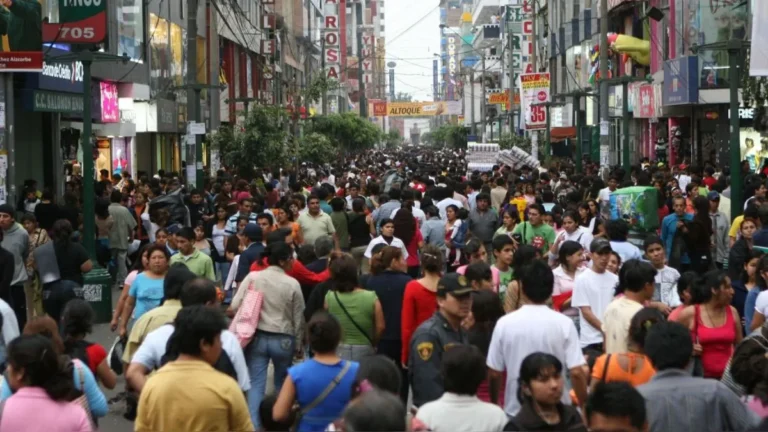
(223, 364)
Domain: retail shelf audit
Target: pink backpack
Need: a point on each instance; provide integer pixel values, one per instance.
(246, 319)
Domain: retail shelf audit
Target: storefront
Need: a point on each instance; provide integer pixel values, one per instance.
(645, 106)
(158, 141)
(114, 138)
(680, 95)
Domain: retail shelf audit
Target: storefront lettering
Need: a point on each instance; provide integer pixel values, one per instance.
(166, 117)
(72, 72)
(57, 102)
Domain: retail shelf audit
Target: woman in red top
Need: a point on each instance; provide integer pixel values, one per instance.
(76, 324)
(407, 231)
(714, 323)
(420, 297)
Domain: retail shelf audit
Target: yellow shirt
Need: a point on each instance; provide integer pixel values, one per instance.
(616, 321)
(192, 396)
(148, 323)
(735, 226)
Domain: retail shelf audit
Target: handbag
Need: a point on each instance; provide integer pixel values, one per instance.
(82, 400)
(698, 367)
(246, 320)
(360, 329)
(605, 368)
(321, 397)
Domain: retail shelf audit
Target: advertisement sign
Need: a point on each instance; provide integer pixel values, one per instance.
(22, 47)
(680, 84)
(332, 37)
(645, 102)
(66, 77)
(110, 111)
(417, 109)
(503, 98)
(754, 148)
(713, 21)
(758, 65)
(534, 89)
(450, 82)
(167, 117)
(63, 103)
(80, 22)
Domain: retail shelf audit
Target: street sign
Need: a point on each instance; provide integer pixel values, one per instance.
(80, 22)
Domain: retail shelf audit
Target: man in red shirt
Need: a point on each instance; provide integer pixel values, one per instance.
(298, 271)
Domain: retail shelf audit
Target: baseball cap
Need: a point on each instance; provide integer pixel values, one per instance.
(713, 196)
(173, 229)
(600, 245)
(252, 232)
(454, 284)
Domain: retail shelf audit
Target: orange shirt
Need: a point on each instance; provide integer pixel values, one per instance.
(615, 372)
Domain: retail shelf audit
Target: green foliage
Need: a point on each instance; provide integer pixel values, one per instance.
(392, 139)
(316, 148)
(448, 135)
(403, 97)
(263, 138)
(319, 86)
(348, 131)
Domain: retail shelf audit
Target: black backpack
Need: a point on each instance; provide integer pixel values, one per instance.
(223, 364)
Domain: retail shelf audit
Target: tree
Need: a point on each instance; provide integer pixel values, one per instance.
(449, 135)
(262, 141)
(348, 131)
(316, 148)
(403, 97)
(392, 139)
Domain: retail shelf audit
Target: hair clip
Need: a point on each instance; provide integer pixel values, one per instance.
(365, 386)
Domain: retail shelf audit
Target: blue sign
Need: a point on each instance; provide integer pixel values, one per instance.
(681, 84)
(57, 76)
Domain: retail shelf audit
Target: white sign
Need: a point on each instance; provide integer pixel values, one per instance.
(452, 56)
(605, 128)
(194, 128)
(534, 93)
(89, 293)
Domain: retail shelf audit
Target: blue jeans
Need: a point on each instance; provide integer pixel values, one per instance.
(267, 346)
(222, 269)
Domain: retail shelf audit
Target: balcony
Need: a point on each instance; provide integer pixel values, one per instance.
(483, 10)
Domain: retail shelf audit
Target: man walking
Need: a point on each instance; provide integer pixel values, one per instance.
(120, 235)
(16, 241)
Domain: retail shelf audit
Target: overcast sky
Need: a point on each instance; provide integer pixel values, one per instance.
(413, 36)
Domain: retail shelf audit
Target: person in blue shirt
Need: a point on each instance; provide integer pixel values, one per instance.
(669, 227)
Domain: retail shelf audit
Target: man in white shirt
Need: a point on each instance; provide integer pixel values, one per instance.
(593, 291)
(535, 328)
(447, 199)
(149, 356)
(637, 281)
(459, 409)
(605, 194)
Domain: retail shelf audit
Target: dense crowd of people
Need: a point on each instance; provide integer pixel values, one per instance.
(392, 291)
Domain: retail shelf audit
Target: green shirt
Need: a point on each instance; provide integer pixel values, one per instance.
(541, 237)
(341, 224)
(198, 263)
(360, 307)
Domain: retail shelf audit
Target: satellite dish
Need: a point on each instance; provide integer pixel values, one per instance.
(391, 64)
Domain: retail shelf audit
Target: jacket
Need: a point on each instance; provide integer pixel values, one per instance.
(389, 287)
(736, 257)
(250, 255)
(16, 241)
(720, 228)
(527, 420)
(428, 343)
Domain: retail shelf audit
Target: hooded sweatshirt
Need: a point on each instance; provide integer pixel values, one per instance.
(16, 241)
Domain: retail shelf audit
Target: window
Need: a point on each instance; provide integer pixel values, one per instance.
(159, 76)
(130, 29)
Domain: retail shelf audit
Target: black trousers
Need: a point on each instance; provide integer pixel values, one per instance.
(393, 350)
(55, 297)
(17, 300)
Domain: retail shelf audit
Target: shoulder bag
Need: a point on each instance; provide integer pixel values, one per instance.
(246, 320)
(82, 400)
(324, 394)
(604, 378)
(698, 366)
(359, 328)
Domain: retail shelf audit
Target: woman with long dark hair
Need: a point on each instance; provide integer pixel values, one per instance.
(539, 392)
(406, 230)
(748, 280)
(73, 262)
(216, 231)
(43, 390)
(486, 311)
(76, 324)
(139, 266)
(104, 222)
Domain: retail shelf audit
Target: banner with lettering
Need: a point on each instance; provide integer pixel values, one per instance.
(534, 90)
(416, 109)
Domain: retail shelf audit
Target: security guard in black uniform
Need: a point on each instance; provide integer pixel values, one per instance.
(437, 335)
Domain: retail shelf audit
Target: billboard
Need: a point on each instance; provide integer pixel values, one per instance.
(79, 22)
(416, 109)
(21, 27)
(534, 90)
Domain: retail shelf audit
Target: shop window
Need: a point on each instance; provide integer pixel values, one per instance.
(130, 29)
(160, 67)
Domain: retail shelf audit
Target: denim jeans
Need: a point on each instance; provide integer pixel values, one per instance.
(267, 346)
(354, 352)
(222, 270)
(119, 256)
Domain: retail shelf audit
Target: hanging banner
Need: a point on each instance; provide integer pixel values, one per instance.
(79, 22)
(416, 109)
(534, 89)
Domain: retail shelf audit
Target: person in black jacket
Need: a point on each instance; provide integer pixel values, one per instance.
(6, 268)
(698, 236)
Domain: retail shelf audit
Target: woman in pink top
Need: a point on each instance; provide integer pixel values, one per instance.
(43, 390)
(570, 257)
(475, 251)
(714, 323)
(684, 287)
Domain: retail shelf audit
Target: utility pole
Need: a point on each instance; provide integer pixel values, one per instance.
(472, 100)
(482, 100)
(604, 129)
(308, 57)
(360, 71)
(510, 72)
(193, 90)
(322, 67)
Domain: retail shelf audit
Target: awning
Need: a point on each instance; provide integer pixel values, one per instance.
(562, 133)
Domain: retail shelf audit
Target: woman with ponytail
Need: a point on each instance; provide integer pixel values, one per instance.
(308, 381)
(715, 325)
(631, 366)
(43, 390)
(281, 322)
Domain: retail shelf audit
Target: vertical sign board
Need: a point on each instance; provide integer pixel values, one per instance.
(80, 22)
(520, 25)
(331, 35)
(367, 58)
(534, 89)
(452, 68)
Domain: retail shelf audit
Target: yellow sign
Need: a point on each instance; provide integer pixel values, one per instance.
(417, 109)
(499, 98)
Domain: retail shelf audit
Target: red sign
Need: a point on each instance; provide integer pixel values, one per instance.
(379, 109)
(645, 104)
(89, 30)
(28, 61)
